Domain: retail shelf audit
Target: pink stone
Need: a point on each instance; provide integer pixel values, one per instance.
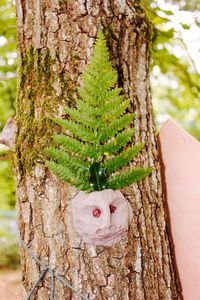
(7, 136)
(101, 218)
(181, 158)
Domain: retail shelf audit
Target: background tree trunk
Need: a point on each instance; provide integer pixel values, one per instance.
(55, 41)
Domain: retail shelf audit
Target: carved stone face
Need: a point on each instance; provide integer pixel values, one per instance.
(101, 218)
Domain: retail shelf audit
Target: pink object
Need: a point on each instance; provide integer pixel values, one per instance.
(7, 136)
(101, 218)
(181, 158)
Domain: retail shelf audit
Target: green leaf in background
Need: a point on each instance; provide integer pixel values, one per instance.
(175, 80)
(185, 26)
(8, 66)
(9, 254)
(7, 186)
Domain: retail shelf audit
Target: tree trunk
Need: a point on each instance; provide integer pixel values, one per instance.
(55, 41)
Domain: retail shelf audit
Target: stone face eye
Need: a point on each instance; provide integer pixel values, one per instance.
(113, 209)
(96, 212)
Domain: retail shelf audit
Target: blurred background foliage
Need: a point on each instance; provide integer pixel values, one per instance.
(175, 65)
(9, 256)
(175, 84)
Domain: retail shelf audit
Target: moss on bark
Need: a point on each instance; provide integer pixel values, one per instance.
(36, 103)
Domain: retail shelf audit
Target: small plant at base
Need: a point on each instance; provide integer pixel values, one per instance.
(94, 151)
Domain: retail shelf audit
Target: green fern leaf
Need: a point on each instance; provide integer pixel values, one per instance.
(66, 160)
(127, 178)
(117, 111)
(115, 126)
(117, 143)
(82, 118)
(98, 126)
(91, 113)
(121, 160)
(69, 144)
(67, 175)
(113, 94)
(74, 146)
(76, 129)
(87, 100)
(103, 81)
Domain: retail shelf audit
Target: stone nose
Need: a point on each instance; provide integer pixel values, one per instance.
(106, 219)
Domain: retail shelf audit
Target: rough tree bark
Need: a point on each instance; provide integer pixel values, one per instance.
(55, 40)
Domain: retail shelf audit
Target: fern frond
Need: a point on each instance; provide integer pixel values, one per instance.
(67, 175)
(86, 99)
(113, 94)
(116, 111)
(110, 104)
(82, 118)
(86, 107)
(115, 126)
(97, 127)
(69, 144)
(99, 75)
(121, 160)
(66, 159)
(127, 178)
(74, 146)
(103, 80)
(83, 133)
(117, 143)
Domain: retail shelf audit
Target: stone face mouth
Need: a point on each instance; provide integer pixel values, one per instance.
(105, 239)
(108, 231)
